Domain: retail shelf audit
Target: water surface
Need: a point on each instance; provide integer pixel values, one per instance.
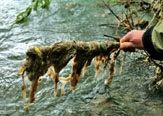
(88, 20)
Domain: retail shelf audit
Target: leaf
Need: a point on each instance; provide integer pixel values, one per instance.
(36, 5)
(20, 17)
(157, 70)
(28, 11)
(38, 51)
(47, 2)
(23, 15)
(21, 70)
(43, 3)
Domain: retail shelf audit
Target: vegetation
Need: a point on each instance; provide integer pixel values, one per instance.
(135, 17)
(35, 4)
(38, 60)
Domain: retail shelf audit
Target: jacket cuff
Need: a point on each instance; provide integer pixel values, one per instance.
(148, 45)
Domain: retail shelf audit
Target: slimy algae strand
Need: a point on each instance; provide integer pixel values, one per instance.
(40, 59)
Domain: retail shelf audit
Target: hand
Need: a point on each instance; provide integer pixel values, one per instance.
(132, 39)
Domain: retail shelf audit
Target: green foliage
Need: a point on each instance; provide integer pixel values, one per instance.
(44, 3)
(23, 15)
(35, 4)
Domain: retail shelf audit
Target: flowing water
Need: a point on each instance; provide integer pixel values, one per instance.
(81, 20)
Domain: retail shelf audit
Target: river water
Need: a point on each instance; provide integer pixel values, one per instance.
(82, 20)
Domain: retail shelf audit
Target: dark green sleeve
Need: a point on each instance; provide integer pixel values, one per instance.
(157, 37)
(153, 41)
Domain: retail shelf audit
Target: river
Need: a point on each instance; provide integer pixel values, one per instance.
(129, 93)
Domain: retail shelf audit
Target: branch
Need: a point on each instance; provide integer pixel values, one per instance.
(108, 6)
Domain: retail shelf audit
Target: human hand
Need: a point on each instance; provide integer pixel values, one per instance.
(132, 39)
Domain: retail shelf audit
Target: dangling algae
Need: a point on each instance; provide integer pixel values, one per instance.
(57, 56)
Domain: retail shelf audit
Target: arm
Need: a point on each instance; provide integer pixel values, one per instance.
(150, 40)
(153, 41)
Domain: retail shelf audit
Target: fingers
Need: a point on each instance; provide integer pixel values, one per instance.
(126, 38)
(132, 39)
(126, 45)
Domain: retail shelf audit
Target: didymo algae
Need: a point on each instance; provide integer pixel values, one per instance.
(52, 59)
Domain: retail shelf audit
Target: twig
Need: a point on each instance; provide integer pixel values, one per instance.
(108, 6)
(149, 25)
(117, 38)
